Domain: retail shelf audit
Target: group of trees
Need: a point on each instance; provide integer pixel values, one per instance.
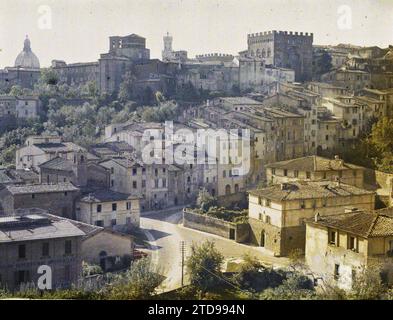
(374, 150)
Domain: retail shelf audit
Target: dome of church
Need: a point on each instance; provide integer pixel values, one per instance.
(27, 59)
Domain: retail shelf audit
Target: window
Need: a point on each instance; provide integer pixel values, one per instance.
(296, 173)
(65, 193)
(45, 249)
(112, 183)
(128, 205)
(273, 171)
(333, 238)
(224, 174)
(143, 183)
(134, 184)
(285, 172)
(164, 183)
(99, 208)
(33, 196)
(268, 202)
(302, 204)
(308, 174)
(143, 170)
(112, 170)
(352, 243)
(156, 183)
(68, 247)
(134, 171)
(114, 206)
(22, 251)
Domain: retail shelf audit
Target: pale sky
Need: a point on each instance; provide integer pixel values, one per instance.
(80, 28)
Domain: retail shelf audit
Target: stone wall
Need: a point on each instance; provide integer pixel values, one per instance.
(272, 235)
(216, 226)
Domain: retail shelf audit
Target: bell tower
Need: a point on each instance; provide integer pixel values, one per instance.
(168, 51)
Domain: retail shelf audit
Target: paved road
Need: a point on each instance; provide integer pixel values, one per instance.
(165, 233)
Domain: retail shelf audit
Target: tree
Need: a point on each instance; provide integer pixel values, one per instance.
(205, 200)
(367, 284)
(49, 77)
(254, 276)
(126, 91)
(139, 282)
(204, 266)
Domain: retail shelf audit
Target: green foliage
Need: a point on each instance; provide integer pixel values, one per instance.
(139, 282)
(295, 287)
(89, 270)
(238, 216)
(204, 266)
(255, 277)
(126, 91)
(367, 284)
(49, 77)
(205, 201)
(166, 111)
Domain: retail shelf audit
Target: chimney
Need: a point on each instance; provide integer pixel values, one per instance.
(316, 217)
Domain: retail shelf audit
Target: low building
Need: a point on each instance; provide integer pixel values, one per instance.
(106, 208)
(277, 213)
(56, 198)
(339, 246)
(77, 171)
(110, 249)
(30, 239)
(12, 176)
(315, 168)
(40, 149)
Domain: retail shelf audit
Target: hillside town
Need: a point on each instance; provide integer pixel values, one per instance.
(281, 154)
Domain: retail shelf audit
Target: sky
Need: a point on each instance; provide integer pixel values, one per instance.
(78, 30)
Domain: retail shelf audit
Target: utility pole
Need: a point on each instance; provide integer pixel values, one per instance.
(182, 251)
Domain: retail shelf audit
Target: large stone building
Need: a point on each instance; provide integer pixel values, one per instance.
(277, 213)
(40, 149)
(339, 246)
(58, 199)
(31, 239)
(315, 168)
(292, 50)
(25, 72)
(108, 209)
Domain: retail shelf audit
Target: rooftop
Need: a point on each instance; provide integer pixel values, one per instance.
(308, 190)
(41, 188)
(359, 223)
(105, 195)
(36, 225)
(58, 163)
(313, 163)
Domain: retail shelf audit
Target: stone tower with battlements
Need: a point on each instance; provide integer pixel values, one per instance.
(283, 49)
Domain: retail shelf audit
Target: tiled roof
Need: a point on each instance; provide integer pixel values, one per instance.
(313, 163)
(308, 190)
(105, 195)
(36, 227)
(363, 224)
(41, 188)
(58, 163)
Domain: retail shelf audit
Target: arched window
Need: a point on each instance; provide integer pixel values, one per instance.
(236, 188)
(227, 189)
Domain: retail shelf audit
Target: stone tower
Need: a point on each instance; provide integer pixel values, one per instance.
(283, 49)
(167, 53)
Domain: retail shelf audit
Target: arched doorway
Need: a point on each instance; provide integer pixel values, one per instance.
(227, 189)
(263, 238)
(236, 188)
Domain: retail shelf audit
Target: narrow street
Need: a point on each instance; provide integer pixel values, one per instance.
(165, 233)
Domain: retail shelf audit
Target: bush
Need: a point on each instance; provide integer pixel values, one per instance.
(204, 266)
